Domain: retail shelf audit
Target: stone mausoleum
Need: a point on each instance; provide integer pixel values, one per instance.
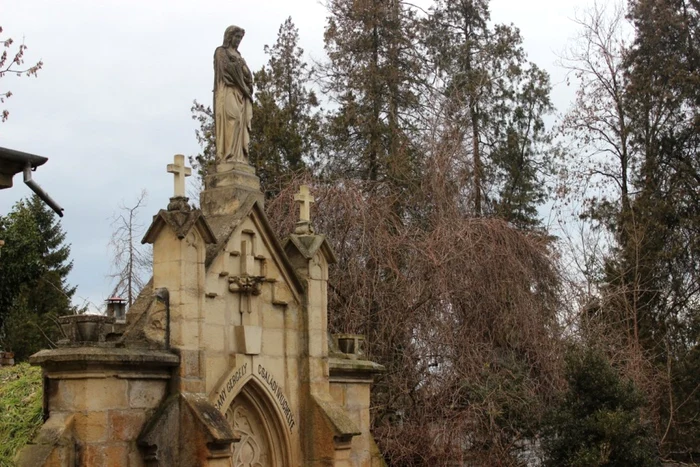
(225, 358)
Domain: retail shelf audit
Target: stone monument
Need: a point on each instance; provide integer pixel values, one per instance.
(225, 358)
(233, 99)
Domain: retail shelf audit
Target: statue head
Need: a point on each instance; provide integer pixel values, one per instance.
(230, 33)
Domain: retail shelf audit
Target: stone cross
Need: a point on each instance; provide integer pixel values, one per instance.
(180, 172)
(304, 200)
(247, 284)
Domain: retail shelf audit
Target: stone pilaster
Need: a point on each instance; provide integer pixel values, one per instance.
(179, 236)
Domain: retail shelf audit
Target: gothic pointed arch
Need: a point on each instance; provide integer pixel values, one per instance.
(264, 440)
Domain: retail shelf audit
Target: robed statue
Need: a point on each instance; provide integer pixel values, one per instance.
(233, 99)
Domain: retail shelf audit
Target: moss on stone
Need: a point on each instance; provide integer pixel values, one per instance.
(20, 409)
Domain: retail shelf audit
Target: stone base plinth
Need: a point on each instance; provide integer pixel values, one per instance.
(97, 401)
(228, 188)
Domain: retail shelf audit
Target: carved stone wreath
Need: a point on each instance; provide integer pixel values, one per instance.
(247, 285)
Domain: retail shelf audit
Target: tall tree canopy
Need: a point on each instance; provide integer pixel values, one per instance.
(636, 119)
(33, 270)
(493, 100)
(372, 76)
(285, 137)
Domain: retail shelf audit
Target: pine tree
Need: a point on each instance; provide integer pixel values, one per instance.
(372, 74)
(35, 263)
(496, 100)
(285, 136)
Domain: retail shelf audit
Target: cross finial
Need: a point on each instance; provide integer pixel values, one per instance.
(180, 172)
(304, 200)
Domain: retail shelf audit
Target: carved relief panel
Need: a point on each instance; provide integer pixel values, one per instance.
(253, 450)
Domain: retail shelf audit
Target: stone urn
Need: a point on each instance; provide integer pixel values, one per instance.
(86, 328)
(350, 344)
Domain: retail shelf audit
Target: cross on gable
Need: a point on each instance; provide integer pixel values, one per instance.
(304, 200)
(180, 172)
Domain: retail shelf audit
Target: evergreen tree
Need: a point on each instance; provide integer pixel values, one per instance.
(638, 111)
(203, 162)
(20, 262)
(285, 136)
(372, 74)
(661, 250)
(34, 268)
(598, 423)
(496, 100)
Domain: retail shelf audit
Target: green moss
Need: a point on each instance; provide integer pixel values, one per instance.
(20, 409)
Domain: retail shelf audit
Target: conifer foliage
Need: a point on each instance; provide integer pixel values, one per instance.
(494, 100)
(34, 265)
(636, 124)
(285, 137)
(598, 423)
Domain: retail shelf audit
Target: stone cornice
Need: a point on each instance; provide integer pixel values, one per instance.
(104, 356)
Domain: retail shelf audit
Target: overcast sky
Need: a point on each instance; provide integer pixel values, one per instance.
(112, 104)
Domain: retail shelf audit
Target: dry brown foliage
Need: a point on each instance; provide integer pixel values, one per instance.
(461, 311)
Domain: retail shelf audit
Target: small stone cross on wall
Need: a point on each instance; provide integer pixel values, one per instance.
(304, 200)
(180, 172)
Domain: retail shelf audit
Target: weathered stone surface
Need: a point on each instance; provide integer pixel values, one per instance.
(93, 454)
(54, 445)
(181, 222)
(233, 101)
(186, 430)
(356, 369)
(91, 427)
(146, 394)
(178, 169)
(116, 455)
(103, 355)
(90, 394)
(249, 339)
(125, 425)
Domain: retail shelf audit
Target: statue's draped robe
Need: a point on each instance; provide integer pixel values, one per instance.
(233, 111)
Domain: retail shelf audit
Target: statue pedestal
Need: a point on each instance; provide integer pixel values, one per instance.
(230, 186)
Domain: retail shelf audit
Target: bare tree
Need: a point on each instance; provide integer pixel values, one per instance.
(13, 64)
(132, 261)
(460, 310)
(598, 124)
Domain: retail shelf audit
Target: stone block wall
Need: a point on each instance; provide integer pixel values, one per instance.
(109, 413)
(354, 398)
(97, 401)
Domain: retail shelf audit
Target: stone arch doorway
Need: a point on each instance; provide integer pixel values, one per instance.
(264, 442)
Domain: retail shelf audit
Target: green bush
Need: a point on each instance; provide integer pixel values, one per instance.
(598, 422)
